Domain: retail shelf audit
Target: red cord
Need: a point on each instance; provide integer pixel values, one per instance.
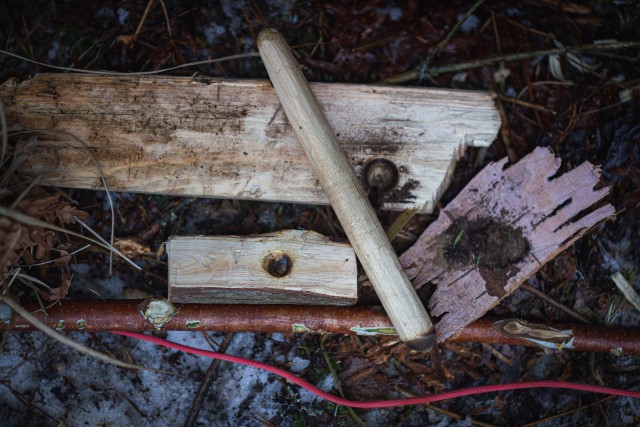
(382, 403)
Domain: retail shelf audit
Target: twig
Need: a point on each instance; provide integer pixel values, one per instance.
(4, 258)
(26, 191)
(143, 19)
(66, 341)
(29, 404)
(336, 380)
(525, 104)
(5, 137)
(400, 222)
(454, 68)
(497, 354)
(25, 219)
(106, 244)
(139, 73)
(505, 133)
(565, 413)
(98, 168)
(57, 259)
(523, 27)
(166, 17)
(554, 303)
(627, 290)
(427, 62)
(205, 385)
(445, 412)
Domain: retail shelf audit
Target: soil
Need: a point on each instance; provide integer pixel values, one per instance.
(485, 242)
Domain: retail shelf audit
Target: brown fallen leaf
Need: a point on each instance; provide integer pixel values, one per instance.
(131, 247)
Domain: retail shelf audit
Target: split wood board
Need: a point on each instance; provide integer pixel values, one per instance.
(539, 214)
(231, 139)
(287, 267)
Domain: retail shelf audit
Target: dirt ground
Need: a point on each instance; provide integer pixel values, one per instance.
(584, 106)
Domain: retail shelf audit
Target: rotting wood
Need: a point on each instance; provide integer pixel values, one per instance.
(347, 197)
(286, 267)
(230, 138)
(123, 315)
(502, 227)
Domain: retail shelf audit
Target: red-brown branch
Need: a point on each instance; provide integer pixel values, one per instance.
(123, 315)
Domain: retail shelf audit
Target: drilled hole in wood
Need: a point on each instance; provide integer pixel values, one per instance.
(277, 263)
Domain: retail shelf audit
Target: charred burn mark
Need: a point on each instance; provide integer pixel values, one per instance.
(491, 246)
(404, 194)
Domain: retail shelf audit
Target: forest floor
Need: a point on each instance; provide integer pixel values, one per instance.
(583, 106)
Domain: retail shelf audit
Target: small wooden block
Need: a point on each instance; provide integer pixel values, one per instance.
(286, 267)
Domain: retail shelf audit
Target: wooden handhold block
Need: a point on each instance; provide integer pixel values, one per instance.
(286, 267)
(231, 139)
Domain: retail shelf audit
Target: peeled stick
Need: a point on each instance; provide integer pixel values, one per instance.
(347, 197)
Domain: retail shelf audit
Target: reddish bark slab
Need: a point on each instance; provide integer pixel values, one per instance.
(547, 213)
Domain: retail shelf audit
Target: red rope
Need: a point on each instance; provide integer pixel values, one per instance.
(382, 403)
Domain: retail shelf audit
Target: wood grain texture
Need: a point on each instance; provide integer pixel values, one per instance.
(231, 139)
(551, 213)
(229, 269)
(348, 199)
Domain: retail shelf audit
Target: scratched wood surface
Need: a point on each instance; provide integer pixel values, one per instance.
(551, 214)
(240, 270)
(231, 139)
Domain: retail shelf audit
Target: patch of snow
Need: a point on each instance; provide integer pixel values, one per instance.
(278, 336)
(513, 11)
(53, 51)
(299, 364)
(123, 14)
(325, 384)
(213, 32)
(395, 13)
(470, 24)
(84, 284)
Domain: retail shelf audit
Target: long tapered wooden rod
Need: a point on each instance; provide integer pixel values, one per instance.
(347, 197)
(123, 315)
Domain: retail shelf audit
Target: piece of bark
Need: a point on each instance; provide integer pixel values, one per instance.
(286, 267)
(536, 214)
(231, 139)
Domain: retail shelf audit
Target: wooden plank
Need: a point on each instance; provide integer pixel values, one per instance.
(501, 228)
(230, 138)
(287, 267)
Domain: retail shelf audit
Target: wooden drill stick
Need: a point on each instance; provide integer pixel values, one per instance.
(357, 217)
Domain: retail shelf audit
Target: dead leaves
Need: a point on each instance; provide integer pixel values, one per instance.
(60, 292)
(132, 247)
(24, 245)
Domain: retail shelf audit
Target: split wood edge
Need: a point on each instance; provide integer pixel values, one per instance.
(357, 217)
